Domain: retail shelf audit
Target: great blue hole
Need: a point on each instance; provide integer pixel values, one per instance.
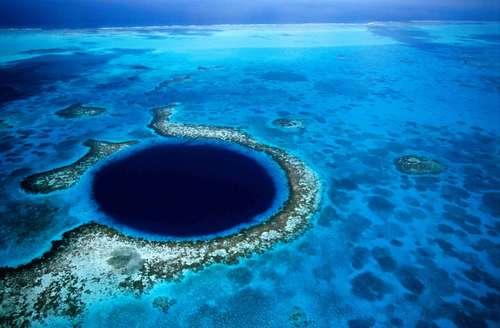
(184, 189)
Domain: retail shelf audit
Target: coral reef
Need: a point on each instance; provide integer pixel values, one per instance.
(66, 176)
(93, 261)
(173, 80)
(288, 123)
(163, 303)
(298, 318)
(79, 110)
(4, 125)
(413, 164)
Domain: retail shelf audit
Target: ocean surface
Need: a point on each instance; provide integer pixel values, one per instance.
(386, 249)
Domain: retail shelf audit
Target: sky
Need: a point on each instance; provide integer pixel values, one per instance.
(101, 13)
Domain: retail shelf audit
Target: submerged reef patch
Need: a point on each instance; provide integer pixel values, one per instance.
(4, 125)
(413, 164)
(79, 110)
(66, 176)
(163, 303)
(173, 80)
(93, 261)
(491, 203)
(288, 123)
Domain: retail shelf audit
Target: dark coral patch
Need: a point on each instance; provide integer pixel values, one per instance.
(4, 125)
(396, 242)
(413, 164)
(353, 226)
(241, 276)
(140, 67)
(454, 194)
(324, 272)
(368, 286)
(359, 258)
(469, 318)
(328, 215)
(380, 205)
(288, 123)
(79, 110)
(425, 324)
(492, 250)
(45, 51)
(361, 323)
(443, 228)
(249, 305)
(449, 250)
(338, 197)
(491, 203)
(407, 278)
(163, 303)
(298, 318)
(459, 216)
(173, 80)
(384, 258)
(490, 300)
(477, 275)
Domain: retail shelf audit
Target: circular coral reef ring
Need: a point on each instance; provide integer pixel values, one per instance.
(94, 261)
(413, 164)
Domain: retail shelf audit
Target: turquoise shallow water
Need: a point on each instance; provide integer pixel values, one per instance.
(385, 249)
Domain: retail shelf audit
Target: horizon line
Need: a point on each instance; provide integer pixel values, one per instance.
(41, 28)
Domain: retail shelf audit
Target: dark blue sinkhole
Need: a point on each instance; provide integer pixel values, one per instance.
(184, 189)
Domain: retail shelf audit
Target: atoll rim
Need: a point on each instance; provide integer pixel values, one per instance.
(413, 164)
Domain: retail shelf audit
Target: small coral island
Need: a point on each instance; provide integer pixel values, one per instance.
(93, 261)
(79, 110)
(413, 164)
(66, 176)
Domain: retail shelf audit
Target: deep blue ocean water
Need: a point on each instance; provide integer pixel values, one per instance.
(184, 189)
(385, 249)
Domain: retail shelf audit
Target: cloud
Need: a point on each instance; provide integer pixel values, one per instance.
(92, 13)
